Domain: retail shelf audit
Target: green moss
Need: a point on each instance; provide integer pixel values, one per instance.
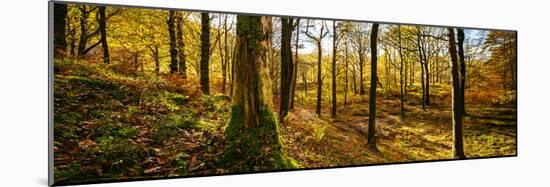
(119, 155)
(250, 27)
(180, 161)
(118, 130)
(254, 148)
(179, 99)
(173, 124)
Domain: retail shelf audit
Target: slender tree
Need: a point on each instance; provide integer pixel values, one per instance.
(372, 94)
(422, 62)
(346, 79)
(296, 61)
(173, 42)
(458, 145)
(103, 34)
(333, 70)
(182, 65)
(205, 53)
(85, 34)
(318, 41)
(361, 48)
(287, 67)
(401, 60)
(462, 66)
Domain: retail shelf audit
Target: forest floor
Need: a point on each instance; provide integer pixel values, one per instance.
(418, 136)
(111, 123)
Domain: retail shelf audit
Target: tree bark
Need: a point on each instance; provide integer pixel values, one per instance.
(296, 61)
(287, 68)
(83, 47)
(103, 33)
(253, 128)
(333, 70)
(157, 59)
(346, 75)
(462, 70)
(60, 21)
(319, 79)
(173, 42)
(182, 65)
(427, 73)
(83, 31)
(205, 53)
(226, 54)
(401, 73)
(361, 64)
(458, 145)
(372, 95)
(421, 59)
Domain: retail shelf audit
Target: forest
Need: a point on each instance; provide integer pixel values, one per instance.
(152, 93)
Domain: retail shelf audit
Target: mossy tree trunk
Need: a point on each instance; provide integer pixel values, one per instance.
(252, 135)
(458, 145)
(173, 43)
(372, 94)
(205, 53)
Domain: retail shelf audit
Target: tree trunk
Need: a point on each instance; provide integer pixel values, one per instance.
(372, 95)
(60, 21)
(157, 59)
(361, 64)
(205, 53)
(333, 70)
(253, 128)
(319, 80)
(286, 66)
(401, 74)
(427, 73)
(226, 54)
(304, 77)
(354, 80)
(173, 42)
(421, 59)
(232, 69)
(411, 74)
(83, 47)
(83, 32)
(222, 49)
(458, 146)
(296, 61)
(388, 72)
(182, 64)
(406, 73)
(346, 75)
(103, 33)
(462, 70)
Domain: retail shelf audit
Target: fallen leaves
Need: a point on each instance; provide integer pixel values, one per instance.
(86, 143)
(152, 170)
